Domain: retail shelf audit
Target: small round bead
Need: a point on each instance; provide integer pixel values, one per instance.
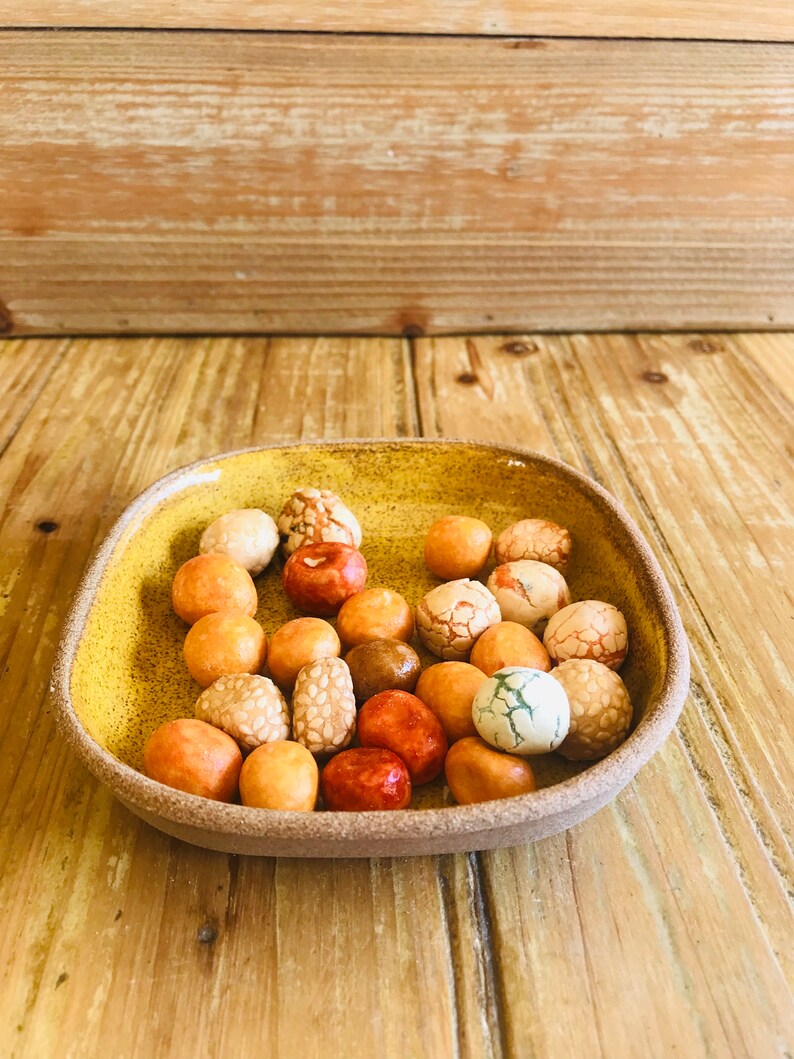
(365, 779)
(224, 643)
(209, 583)
(451, 617)
(247, 535)
(313, 516)
(475, 772)
(249, 708)
(588, 629)
(318, 578)
(509, 644)
(448, 689)
(600, 709)
(522, 711)
(529, 592)
(194, 757)
(535, 538)
(296, 644)
(382, 665)
(324, 706)
(374, 614)
(280, 776)
(457, 546)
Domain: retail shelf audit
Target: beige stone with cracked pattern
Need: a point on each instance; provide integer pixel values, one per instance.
(451, 617)
(324, 706)
(600, 709)
(314, 516)
(588, 629)
(529, 592)
(534, 538)
(250, 708)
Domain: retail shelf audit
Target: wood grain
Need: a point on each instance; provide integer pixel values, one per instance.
(274, 183)
(673, 879)
(124, 942)
(709, 19)
(660, 926)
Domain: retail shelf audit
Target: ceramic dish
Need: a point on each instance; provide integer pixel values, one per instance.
(120, 672)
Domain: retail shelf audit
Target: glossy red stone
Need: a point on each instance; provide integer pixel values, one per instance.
(318, 578)
(400, 722)
(365, 779)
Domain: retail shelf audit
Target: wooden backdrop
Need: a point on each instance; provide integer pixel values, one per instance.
(211, 179)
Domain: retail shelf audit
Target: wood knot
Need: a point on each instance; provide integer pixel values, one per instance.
(47, 526)
(654, 376)
(705, 345)
(520, 349)
(466, 378)
(413, 331)
(207, 934)
(6, 320)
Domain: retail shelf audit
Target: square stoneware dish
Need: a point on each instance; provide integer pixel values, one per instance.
(120, 671)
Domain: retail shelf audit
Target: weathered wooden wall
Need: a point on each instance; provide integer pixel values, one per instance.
(212, 181)
(705, 19)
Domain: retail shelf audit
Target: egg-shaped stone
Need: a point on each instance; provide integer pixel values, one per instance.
(248, 707)
(451, 617)
(588, 629)
(248, 535)
(529, 592)
(534, 538)
(324, 706)
(317, 516)
(600, 709)
(522, 711)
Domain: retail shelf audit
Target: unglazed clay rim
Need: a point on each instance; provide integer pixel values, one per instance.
(593, 785)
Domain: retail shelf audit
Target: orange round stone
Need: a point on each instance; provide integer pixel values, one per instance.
(223, 643)
(209, 583)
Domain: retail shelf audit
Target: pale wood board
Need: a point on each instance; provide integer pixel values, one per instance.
(696, 450)
(659, 927)
(709, 19)
(310, 183)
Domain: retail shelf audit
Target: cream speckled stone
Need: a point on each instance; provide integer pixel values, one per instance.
(247, 535)
(313, 516)
(588, 629)
(451, 617)
(248, 707)
(600, 709)
(534, 538)
(324, 706)
(529, 592)
(522, 711)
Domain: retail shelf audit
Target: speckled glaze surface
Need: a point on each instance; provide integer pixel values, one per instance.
(119, 671)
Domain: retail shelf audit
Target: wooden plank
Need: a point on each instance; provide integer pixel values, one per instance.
(115, 939)
(390, 184)
(775, 364)
(618, 925)
(705, 19)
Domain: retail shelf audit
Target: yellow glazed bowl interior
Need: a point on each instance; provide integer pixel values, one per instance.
(121, 671)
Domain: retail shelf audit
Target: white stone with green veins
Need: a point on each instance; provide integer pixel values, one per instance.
(522, 711)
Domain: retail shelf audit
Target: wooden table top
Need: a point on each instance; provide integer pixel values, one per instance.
(660, 927)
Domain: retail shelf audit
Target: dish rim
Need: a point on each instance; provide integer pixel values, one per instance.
(594, 784)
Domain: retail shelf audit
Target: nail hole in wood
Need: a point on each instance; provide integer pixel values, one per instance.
(207, 934)
(47, 526)
(6, 319)
(654, 376)
(520, 349)
(705, 345)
